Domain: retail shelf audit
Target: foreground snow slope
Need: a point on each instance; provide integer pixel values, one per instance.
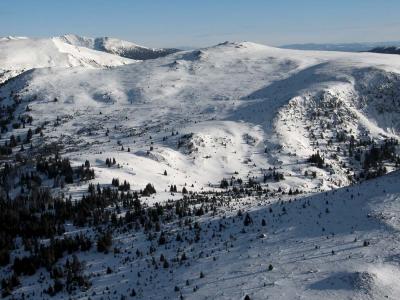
(341, 244)
(315, 245)
(232, 109)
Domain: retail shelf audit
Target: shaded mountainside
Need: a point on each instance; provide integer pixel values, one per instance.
(346, 47)
(386, 50)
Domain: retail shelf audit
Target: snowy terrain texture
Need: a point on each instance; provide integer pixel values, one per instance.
(237, 109)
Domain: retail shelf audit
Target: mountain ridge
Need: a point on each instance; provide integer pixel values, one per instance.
(346, 47)
(118, 47)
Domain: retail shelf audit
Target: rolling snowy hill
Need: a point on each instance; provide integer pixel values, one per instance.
(243, 107)
(292, 137)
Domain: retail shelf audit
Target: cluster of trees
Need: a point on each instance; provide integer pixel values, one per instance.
(7, 147)
(39, 216)
(317, 160)
(84, 172)
(252, 183)
(276, 176)
(121, 187)
(70, 276)
(371, 156)
(376, 156)
(57, 166)
(224, 184)
(8, 284)
(47, 256)
(104, 242)
(7, 114)
(148, 190)
(60, 169)
(110, 162)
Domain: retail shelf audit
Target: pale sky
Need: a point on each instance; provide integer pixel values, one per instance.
(175, 23)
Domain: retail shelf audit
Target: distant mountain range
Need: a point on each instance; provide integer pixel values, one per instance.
(116, 46)
(386, 50)
(70, 51)
(346, 47)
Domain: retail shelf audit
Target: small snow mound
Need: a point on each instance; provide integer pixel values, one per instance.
(243, 45)
(196, 55)
(376, 283)
(358, 281)
(364, 281)
(151, 155)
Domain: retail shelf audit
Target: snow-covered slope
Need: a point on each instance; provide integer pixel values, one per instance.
(246, 126)
(12, 38)
(21, 54)
(341, 244)
(117, 46)
(244, 108)
(337, 245)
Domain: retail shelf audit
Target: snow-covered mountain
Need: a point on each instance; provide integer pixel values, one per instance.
(386, 50)
(228, 136)
(12, 38)
(346, 47)
(259, 101)
(118, 47)
(20, 54)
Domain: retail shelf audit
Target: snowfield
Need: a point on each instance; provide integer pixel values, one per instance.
(248, 108)
(234, 110)
(315, 247)
(20, 54)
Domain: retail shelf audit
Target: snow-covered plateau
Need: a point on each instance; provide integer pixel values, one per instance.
(237, 171)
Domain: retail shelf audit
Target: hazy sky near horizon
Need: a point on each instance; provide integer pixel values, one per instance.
(169, 23)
